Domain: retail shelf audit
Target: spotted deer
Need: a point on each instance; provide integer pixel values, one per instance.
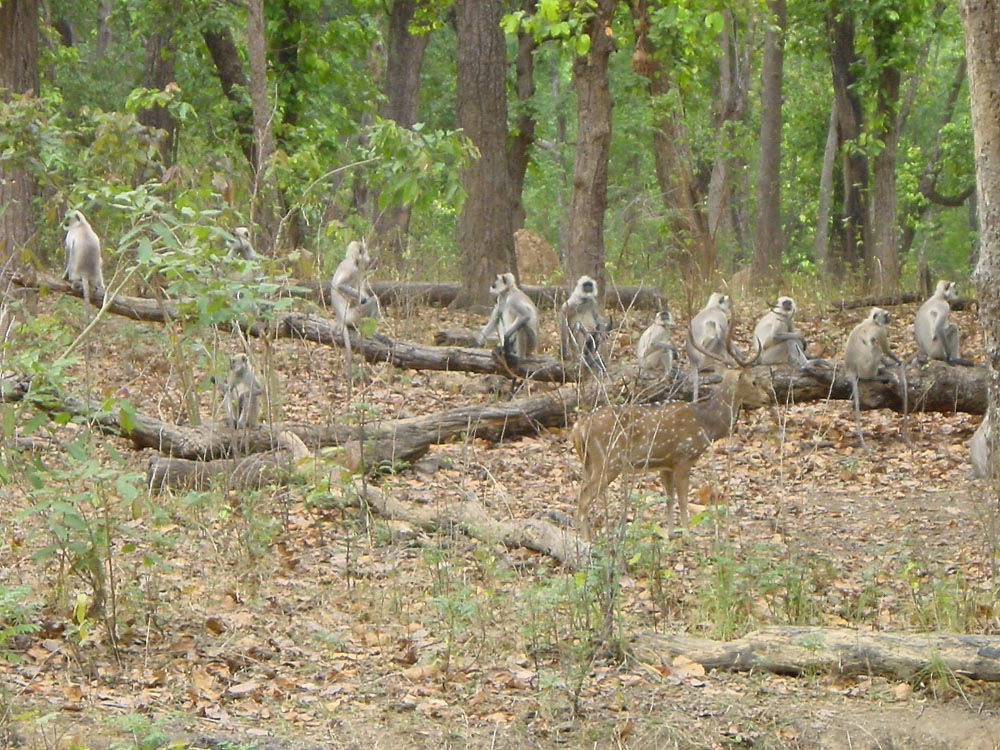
(667, 438)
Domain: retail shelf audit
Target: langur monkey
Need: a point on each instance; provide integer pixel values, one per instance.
(514, 318)
(582, 327)
(655, 349)
(350, 294)
(240, 244)
(776, 338)
(708, 335)
(936, 337)
(981, 450)
(83, 255)
(241, 399)
(866, 352)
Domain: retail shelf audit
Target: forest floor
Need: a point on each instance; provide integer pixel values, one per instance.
(289, 619)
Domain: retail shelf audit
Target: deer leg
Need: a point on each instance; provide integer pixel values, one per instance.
(682, 479)
(667, 480)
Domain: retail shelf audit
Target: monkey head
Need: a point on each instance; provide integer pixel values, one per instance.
(502, 283)
(784, 306)
(880, 316)
(664, 318)
(723, 301)
(947, 290)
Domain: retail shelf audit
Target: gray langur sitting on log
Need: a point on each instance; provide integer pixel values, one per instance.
(776, 338)
(514, 319)
(937, 338)
(83, 255)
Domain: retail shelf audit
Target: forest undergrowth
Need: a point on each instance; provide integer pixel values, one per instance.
(295, 617)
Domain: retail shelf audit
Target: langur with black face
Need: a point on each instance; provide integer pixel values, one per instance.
(776, 338)
(83, 255)
(514, 319)
(582, 328)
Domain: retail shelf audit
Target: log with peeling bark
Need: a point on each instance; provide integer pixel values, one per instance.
(442, 294)
(891, 300)
(471, 518)
(792, 650)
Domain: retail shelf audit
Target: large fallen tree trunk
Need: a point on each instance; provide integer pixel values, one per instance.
(936, 387)
(807, 650)
(891, 300)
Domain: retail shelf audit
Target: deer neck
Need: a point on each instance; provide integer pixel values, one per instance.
(717, 415)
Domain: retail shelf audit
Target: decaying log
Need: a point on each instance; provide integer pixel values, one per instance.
(791, 650)
(442, 294)
(891, 300)
(470, 518)
(251, 472)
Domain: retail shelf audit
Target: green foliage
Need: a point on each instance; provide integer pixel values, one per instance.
(16, 617)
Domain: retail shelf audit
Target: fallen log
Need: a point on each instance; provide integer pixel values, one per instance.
(891, 300)
(251, 472)
(931, 386)
(470, 518)
(790, 650)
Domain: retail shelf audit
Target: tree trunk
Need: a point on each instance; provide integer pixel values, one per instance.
(853, 225)
(485, 234)
(821, 242)
(18, 75)
(767, 250)
(883, 261)
(265, 201)
(726, 190)
(981, 23)
(233, 79)
(691, 246)
(405, 54)
(158, 71)
(524, 130)
(585, 250)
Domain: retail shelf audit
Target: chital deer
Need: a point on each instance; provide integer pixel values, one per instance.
(667, 439)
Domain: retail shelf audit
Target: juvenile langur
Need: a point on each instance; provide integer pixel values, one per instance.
(241, 399)
(582, 328)
(708, 335)
(776, 337)
(514, 319)
(981, 450)
(866, 352)
(655, 349)
(83, 254)
(240, 244)
(350, 294)
(936, 337)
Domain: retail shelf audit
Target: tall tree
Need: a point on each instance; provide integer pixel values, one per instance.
(767, 246)
(158, 72)
(265, 198)
(485, 231)
(523, 137)
(981, 23)
(853, 236)
(404, 57)
(585, 250)
(18, 75)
